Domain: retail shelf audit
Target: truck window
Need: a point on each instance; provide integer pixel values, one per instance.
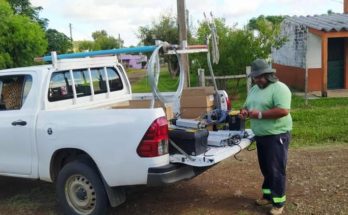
(115, 81)
(82, 83)
(60, 87)
(99, 80)
(14, 90)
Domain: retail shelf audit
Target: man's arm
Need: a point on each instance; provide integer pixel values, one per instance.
(274, 113)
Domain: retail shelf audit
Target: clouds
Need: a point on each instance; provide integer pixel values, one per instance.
(125, 17)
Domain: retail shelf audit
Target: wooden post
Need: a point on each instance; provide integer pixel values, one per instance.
(248, 79)
(201, 77)
(345, 63)
(324, 59)
(306, 70)
(181, 8)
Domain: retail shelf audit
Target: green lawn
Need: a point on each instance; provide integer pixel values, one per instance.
(166, 83)
(323, 122)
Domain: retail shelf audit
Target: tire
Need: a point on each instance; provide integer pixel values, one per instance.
(80, 190)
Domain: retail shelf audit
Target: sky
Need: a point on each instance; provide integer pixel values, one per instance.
(124, 17)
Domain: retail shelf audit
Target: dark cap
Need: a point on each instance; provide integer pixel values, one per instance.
(259, 67)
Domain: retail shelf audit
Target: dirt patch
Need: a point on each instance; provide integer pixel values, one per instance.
(317, 184)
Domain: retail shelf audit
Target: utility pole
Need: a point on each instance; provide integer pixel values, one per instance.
(70, 27)
(181, 8)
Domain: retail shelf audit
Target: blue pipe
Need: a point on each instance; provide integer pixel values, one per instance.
(102, 52)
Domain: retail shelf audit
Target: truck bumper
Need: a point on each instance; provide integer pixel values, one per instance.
(171, 173)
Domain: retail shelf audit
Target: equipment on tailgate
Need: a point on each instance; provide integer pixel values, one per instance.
(192, 142)
(235, 123)
(225, 138)
(188, 123)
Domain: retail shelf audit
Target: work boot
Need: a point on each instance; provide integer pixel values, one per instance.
(276, 211)
(263, 202)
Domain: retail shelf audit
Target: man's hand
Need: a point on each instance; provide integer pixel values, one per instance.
(254, 114)
(243, 113)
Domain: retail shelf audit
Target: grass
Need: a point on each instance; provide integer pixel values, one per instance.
(322, 122)
(166, 82)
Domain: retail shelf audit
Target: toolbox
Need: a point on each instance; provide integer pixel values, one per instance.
(191, 141)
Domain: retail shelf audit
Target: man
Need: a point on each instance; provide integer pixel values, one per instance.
(268, 107)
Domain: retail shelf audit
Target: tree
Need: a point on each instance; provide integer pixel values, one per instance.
(58, 41)
(103, 41)
(85, 45)
(165, 29)
(268, 29)
(237, 48)
(24, 7)
(21, 39)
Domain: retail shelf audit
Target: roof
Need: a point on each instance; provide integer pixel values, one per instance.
(28, 68)
(325, 22)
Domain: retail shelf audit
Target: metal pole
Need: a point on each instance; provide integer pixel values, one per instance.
(181, 9)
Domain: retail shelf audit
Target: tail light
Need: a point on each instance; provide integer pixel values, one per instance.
(155, 140)
(229, 105)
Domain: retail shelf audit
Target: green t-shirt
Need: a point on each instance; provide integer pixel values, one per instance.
(275, 95)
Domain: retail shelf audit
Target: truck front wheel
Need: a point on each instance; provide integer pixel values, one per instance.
(80, 190)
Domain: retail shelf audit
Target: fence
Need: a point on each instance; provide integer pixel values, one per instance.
(221, 81)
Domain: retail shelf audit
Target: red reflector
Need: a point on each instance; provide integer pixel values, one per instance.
(229, 105)
(155, 140)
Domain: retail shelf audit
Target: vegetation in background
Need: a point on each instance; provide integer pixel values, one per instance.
(239, 47)
(268, 30)
(165, 29)
(58, 41)
(101, 41)
(21, 39)
(24, 8)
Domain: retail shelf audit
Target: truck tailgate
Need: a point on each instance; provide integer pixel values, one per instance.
(214, 154)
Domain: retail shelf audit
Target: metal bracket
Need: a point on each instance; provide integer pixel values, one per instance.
(181, 151)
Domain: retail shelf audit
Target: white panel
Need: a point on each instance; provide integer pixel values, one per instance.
(314, 51)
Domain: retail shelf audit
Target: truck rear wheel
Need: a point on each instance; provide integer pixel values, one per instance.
(80, 190)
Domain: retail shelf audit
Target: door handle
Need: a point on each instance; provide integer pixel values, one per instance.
(19, 122)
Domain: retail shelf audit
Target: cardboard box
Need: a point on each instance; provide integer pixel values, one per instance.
(197, 101)
(198, 91)
(193, 112)
(144, 104)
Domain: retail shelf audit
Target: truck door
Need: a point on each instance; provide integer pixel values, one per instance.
(17, 122)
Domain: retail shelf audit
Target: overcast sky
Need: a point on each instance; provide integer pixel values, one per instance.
(124, 17)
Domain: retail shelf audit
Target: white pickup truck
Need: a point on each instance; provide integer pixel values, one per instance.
(57, 125)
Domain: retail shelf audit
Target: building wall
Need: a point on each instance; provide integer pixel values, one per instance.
(294, 77)
(314, 51)
(293, 52)
(133, 61)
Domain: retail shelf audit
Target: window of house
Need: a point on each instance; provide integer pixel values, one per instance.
(14, 90)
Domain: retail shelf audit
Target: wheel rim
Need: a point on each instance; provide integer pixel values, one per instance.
(80, 194)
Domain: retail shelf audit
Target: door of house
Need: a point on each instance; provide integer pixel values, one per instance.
(335, 63)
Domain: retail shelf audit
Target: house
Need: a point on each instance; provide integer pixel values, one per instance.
(316, 44)
(133, 61)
